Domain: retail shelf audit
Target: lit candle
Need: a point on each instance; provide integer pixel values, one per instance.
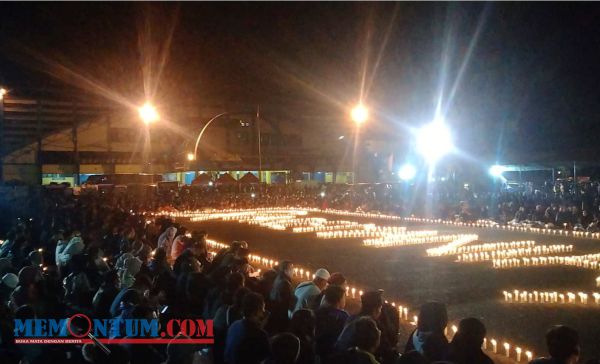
(507, 349)
(529, 355)
(518, 350)
(494, 346)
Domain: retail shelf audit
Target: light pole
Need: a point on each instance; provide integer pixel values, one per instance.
(148, 115)
(359, 115)
(194, 156)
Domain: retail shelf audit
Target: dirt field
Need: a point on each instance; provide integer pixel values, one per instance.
(407, 275)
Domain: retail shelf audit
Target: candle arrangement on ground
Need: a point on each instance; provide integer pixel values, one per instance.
(422, 237)
(548, 297)
(587, 261)
(514, 253)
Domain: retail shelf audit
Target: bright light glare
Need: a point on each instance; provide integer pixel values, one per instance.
(434, 141)
(2, 92)
(496, 170)
(190, 156)
(407, 172)
(359, 114)
(148, 113)
(341, 137)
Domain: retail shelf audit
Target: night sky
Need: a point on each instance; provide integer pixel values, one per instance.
(528, 90)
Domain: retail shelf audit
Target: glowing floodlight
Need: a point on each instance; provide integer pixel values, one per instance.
(434, 140)
(359, 114)
(148, 113)
(407, 172)
(496, 171)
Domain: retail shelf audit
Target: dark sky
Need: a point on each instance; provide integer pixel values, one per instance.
(528, 90)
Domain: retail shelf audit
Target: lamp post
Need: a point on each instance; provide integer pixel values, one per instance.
(359, 115)
(148, 115)
(194, 156)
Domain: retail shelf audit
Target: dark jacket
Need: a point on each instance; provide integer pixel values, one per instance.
(329, 325)
(246, 343)
(281, 299)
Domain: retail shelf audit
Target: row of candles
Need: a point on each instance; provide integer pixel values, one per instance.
(517, 296)
(489, 344)
(451, 246)
(514, 253)
(403, 240)
(588, 261)
(547, 230)
(382, 235)
(454, 250)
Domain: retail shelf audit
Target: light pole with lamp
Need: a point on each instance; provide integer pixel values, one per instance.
(148, 114)
(359, 115)
(194, 156)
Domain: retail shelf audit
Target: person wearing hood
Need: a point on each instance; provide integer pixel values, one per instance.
(165, 240)
(131, 267)
(65, 251)
(428, 338)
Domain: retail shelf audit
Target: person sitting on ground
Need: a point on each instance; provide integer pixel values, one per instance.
(285, 349)
(247, 342)
(331, 318)
(428, 338)
(307, 292)
(563, 346)
(465, 347)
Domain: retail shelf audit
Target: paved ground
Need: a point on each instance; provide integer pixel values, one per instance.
(468, 289)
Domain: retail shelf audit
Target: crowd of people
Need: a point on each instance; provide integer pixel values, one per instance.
(105, 257)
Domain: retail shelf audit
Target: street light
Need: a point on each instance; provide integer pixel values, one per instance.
(359, 114)
(434, 140)
(191, 157)
(148, 113)
(407, 172)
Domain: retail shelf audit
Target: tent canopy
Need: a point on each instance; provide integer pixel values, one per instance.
(202, 179)
(249, 178)
(226, 179)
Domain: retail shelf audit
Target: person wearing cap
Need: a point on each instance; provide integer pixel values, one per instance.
(307, 292)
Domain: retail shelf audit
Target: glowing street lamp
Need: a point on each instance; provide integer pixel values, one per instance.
(359, 114)
(148, 113)
(407, 172)
(191, 157)
(434, 140)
